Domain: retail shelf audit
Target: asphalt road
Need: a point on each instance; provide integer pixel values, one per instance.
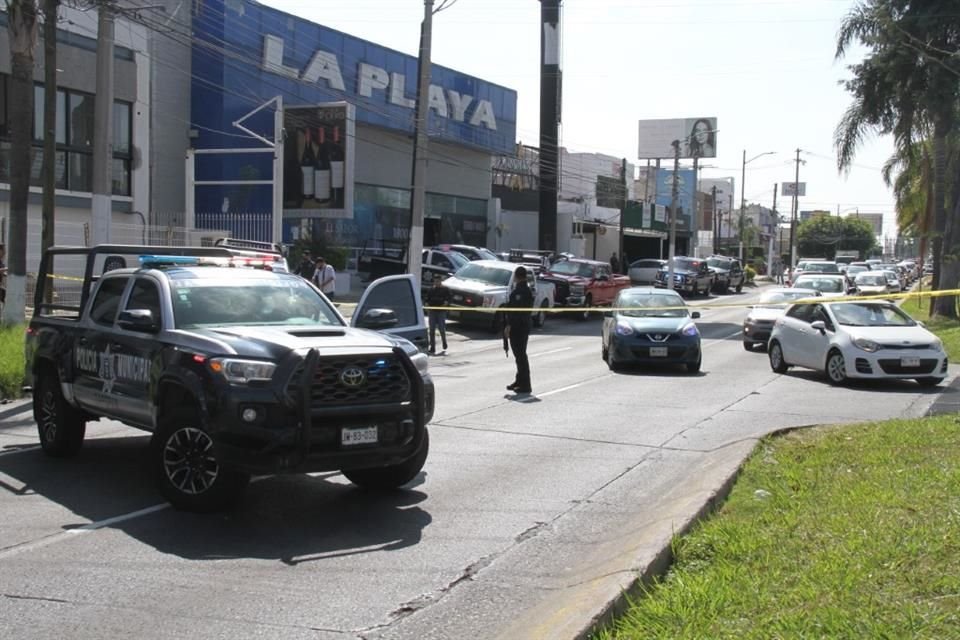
(530, 515)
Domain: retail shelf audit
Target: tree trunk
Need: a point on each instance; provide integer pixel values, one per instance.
(50, 8)
(22, 27)
(950, 278)
(945, 266)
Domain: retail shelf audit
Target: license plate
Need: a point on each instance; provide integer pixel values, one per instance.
(658, 352)
(359, 435)
(909, 362)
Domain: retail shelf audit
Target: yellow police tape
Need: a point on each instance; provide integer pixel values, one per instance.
(723, 305)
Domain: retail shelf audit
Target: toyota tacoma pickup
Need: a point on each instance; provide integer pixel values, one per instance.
(690, 275)
(483, 286)
(727, 274)
(585, 284)
(235, 370)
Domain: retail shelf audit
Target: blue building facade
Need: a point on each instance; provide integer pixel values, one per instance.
(245, 54)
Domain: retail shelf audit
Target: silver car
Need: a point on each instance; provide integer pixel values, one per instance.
(644, 271)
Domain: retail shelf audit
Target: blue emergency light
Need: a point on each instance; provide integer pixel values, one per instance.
(154, 261)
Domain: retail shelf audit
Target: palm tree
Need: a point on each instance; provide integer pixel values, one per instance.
(907, 86)
(910, 175)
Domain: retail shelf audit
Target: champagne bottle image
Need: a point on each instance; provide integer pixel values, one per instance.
(307, 162)
(292, 178)
(337, 169)
(321, 170)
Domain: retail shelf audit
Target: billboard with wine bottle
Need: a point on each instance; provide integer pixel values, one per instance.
(318, 161)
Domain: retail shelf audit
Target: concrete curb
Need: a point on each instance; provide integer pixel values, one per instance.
(12, 408)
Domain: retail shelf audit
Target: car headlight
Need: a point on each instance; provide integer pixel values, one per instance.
(623, 329)
(867, 345)
(690, 330)
(937, 345)
(421, 362)
(243, 371)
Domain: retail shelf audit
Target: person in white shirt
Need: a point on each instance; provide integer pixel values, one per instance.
(325, 278)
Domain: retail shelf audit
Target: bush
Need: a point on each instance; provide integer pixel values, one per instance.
(11, 362)
(751, 273)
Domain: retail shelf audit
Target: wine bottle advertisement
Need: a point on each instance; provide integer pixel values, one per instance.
(318, 161)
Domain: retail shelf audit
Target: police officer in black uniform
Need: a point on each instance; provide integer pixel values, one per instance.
(517, 328)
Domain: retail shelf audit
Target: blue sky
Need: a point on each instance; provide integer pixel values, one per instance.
(764, 68)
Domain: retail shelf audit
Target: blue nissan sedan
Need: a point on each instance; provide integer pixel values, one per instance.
(650, 326)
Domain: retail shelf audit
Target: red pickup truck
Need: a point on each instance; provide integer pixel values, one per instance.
(584, 283)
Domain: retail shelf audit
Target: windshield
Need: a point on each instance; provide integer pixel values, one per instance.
(824, 285)
(871, 278)
(281, 301)
(821, 267)
(489, 275)
(652, 305)
(865, 314)
(852, 270)
(720, 263)
(780, 299)
(486, 254)
(458, 259)
(684, 263)
(567, 268)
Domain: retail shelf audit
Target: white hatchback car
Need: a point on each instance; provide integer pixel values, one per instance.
(864, 339)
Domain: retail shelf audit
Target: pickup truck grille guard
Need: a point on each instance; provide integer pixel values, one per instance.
(405, 393)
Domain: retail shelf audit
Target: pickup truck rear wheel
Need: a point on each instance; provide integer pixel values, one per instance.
(187, 470)
(392, 477)
(60, 426)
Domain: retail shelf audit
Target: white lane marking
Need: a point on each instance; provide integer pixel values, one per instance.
(13, 451)
(547, 353)
(87, 528)
(572, 386)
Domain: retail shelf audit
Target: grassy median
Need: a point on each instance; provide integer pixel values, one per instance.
(833, 532)
(11, 361)
(947, 330)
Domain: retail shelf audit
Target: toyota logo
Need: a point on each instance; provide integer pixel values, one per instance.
(353, 377)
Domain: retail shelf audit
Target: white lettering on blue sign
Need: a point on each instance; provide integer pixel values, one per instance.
(110, 367)
(325, 66)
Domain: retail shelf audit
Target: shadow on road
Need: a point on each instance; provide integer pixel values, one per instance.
(291, 518)
(880, 386)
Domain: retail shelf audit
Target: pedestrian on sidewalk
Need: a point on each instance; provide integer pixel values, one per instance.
(326, 278)
(517, 328)
(306, 267)
(614, 263)
(438, 296)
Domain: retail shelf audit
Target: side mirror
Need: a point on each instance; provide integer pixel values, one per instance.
(819, 325)
(695, 315)
(603, 277)
(141, 320)
(378, 319)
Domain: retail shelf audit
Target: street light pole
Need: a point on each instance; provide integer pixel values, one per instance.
(673, 216)
(418, 194)
(743, 191)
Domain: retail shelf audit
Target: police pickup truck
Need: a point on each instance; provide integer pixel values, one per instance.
(236, 370)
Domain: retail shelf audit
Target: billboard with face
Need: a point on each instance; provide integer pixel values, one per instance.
(696, 138)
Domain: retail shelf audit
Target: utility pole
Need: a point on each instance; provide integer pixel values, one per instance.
(48, 216)
(695, 237)
(419, 196)
(776, 217)
(549, 121)
(673, 215)
(743, 200)
(102, 204)
(623, 212)
(793, 217)
(716, 220)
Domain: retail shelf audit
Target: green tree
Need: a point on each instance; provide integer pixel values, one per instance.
(825, 235)
(907, 86)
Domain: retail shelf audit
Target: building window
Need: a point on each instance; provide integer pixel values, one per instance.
(74, 138)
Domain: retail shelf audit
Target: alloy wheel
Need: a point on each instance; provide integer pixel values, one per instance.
(48, 416)
(189, 461)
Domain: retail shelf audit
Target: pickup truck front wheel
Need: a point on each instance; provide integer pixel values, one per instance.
(541, 317)
(393, 477)
(187, 470)
(60, 426)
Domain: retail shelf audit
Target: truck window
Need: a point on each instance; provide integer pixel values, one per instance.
(107, 302)
(145, 295)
